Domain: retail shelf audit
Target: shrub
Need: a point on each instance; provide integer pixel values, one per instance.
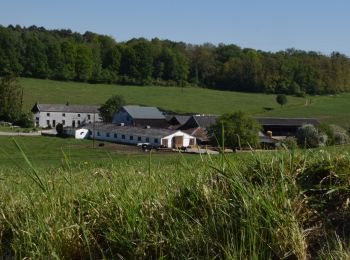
(308, 136)
(290, 143)
(25, 121)
(339, 135)
(281, 99)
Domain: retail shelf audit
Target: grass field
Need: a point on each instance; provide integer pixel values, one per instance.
(257, 206)
(332, 109)
(52, 152)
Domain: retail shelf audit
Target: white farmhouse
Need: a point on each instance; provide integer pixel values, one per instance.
(45, 115)
(134, 135)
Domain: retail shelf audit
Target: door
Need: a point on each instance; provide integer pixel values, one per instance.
(165, 142)
(178, 141)
(53, 123)
(73, 123)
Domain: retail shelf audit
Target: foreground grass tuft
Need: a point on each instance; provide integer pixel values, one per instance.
(259, 206)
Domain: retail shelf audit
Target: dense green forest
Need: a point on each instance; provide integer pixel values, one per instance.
(65, 55)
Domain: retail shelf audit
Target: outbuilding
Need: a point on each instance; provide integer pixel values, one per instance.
(135, 135)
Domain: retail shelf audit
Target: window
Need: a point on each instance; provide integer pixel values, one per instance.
(63, 114)
(131, 137)
(48, 114)
(89, 117)
(156, 140)
(63, 122)
(37, 118)
(98, 133)
(107, 134)
(78, 115)
(139, 138)
(115, 135)
(123, 136)
(147, 139)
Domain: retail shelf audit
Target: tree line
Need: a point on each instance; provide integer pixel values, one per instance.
(65, 55)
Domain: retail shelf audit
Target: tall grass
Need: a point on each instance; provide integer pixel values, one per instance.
(252, 207)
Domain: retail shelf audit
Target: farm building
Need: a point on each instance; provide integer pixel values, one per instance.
(284, 126)
(140, 116)
(197, 125)
(45, 115)
(134, 135)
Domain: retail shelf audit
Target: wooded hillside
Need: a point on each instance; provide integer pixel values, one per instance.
(90, 57)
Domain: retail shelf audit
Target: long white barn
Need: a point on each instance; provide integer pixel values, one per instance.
(45, 115)
(134, 135)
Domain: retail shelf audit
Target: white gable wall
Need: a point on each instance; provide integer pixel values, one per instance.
(186, 139)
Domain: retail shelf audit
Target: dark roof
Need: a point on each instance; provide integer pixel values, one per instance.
(131, 130)
(177, 119)
(138, 112)
(65, 108)
(269, 121)
(199, 121)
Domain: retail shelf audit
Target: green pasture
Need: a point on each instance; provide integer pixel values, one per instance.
(332, 108)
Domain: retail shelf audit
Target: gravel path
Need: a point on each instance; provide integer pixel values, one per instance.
(27, 134)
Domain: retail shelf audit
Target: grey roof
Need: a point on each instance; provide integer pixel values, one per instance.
(266, 121)
(131, 130)
(138, 112)
(205, 121)
(67, 108)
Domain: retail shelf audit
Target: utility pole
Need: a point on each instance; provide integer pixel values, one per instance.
(93, 132)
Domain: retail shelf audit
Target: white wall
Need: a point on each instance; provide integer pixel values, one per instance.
(102, 135)
(41, 118)
(186, 138)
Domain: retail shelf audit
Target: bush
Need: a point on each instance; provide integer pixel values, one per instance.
(25, 121)
(281, 99)
(308, 136)
(336, 134)
(339, 135)
(290, 143)
(59, 129)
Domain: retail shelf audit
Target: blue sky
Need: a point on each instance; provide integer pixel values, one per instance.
(271, 25)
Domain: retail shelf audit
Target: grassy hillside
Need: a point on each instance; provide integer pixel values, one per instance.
(330, 108)
(260, 206)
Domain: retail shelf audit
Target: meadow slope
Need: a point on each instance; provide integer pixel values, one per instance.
(333, 109)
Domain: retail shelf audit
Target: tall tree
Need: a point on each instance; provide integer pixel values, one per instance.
(238, 129)
(84, 63)
(110, 107)
(11, 97)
